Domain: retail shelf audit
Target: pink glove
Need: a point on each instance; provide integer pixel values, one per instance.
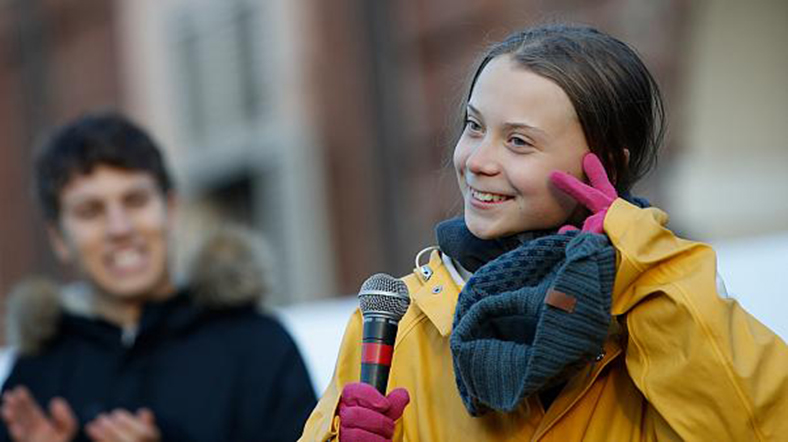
(365, 415)
(597, 197)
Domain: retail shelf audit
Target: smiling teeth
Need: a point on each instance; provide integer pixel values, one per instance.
(127, 259)
(488, 197)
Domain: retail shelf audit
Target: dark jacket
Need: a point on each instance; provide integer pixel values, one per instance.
(209, 371)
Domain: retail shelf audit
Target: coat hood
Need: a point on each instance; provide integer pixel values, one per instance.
(232, 268)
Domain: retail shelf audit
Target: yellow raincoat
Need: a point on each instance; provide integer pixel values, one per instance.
(681, 362)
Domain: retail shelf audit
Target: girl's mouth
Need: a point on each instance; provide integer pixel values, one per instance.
(487, 197)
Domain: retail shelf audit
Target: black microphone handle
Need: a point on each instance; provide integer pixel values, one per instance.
(375, 375)
(377, 348)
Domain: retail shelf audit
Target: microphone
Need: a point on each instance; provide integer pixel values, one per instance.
(383, 301)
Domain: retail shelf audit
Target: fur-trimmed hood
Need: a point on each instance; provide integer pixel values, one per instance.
(232, 268)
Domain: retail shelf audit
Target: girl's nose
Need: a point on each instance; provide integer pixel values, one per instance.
(483, 159)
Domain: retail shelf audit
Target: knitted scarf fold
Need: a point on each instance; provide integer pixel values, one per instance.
(471, 252)
(529, 316)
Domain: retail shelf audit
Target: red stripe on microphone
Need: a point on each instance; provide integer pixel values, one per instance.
(380, 354)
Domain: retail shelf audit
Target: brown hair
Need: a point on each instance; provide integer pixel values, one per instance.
(616, 99)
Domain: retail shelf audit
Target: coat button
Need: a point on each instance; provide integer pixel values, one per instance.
(437, 289)
(600, 356)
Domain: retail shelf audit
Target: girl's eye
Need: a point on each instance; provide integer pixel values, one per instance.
(519, 142)
(472, 125)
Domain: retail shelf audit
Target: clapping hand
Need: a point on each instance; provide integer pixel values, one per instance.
(27, 422)
(123, 426)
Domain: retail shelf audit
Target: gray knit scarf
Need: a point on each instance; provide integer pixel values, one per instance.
(530, 316)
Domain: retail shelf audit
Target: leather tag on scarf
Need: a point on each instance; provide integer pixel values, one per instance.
(561, 300)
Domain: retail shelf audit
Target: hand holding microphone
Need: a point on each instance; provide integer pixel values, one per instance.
(365, 414)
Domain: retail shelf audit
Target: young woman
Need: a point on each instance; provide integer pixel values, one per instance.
(559, 307)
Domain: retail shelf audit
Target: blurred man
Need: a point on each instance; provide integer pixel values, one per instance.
(131, 357)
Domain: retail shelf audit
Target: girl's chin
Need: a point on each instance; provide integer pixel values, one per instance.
(487, 230)
(484, 230)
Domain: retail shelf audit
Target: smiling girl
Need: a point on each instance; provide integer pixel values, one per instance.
(559, 307)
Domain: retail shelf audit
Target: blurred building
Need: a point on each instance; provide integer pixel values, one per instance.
(327, 125)
(224, 85)
(57, 59)
(729, 179)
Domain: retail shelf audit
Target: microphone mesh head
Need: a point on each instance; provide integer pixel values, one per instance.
(384, 295)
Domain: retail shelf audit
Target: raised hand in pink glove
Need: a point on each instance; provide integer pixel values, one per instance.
(597, 197)
(365, 415)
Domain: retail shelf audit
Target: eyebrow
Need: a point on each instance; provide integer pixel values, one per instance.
(510, 126)
(90, 196)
